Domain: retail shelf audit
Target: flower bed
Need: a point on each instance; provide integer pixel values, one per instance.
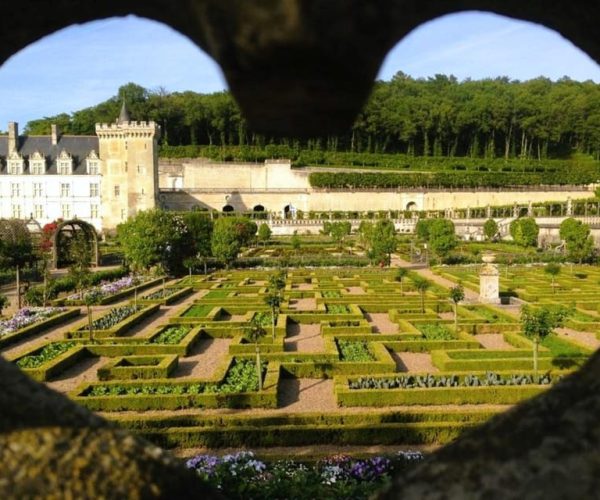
(435, 331)
(243, 476)
(47, 353)
(354, 351)
(165, 297)
(42, 363)
(27, 316)
(113, 291)
(37, 325)
(237, 389)
(116, 322)
(172, 334)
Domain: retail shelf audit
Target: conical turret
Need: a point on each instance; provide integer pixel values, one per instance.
(124, 114)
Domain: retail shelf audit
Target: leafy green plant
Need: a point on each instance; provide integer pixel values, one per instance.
(354, 351)
(114, 316)
(47, 353)
(337, 309)
(429, 381)
(435, 331)
(172, 335)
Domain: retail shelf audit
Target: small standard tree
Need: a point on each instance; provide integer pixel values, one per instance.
(553, 270)
(422, 285)
(91, 298)
(296, 242)
(80, 255)
(456, 294)
(254, 332)
(401, 273)
(264, 233)
(16, 248)
(490, 229)
(538, 323)
(273, 300)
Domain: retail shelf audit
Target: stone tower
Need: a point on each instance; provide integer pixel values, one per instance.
(129, 168)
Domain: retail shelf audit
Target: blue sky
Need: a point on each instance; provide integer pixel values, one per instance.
(83, 65)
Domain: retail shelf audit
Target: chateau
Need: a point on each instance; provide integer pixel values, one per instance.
(106, 178)
(101, 179)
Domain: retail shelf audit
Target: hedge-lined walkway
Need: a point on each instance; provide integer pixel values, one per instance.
(205, 357)
(304, 338)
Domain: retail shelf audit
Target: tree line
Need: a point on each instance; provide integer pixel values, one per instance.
(438, 116)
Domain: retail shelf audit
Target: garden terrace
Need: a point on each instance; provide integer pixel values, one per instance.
(325, 335)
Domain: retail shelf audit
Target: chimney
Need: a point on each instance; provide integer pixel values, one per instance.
(55, 134)
(13, 136)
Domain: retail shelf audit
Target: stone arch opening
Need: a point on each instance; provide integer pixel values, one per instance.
(258, 208)
(228, 209)
(63, 238)
(411, 206)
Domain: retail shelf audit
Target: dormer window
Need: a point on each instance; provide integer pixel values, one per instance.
(93, 163)
(64, 163)
(14, 163)
(37, 164)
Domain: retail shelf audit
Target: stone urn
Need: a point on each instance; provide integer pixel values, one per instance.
(488, 257)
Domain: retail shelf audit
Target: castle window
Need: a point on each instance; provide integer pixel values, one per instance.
(94, 211)
(123, 214)
(65, 211)
(94, 190)
(143, 191)
(65, 190)
(38, 211)
(117, 190)
(64, 163)
(93, 163)
(125, 166)
(15, 190)
(37, 189)
(37, 163)
(16, 211)
(15, 164)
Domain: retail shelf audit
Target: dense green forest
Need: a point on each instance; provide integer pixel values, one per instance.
(439, 116)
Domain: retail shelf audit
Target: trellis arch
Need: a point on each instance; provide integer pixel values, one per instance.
(66, 229)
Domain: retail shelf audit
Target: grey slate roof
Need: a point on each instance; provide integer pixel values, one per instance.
(78, 146)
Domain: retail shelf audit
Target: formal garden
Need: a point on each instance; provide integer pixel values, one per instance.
(271, 344)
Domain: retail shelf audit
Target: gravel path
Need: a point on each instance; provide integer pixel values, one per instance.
(84, 371)
(304, 338)
(493, 341)
(413, 362)
(303, 304)
(356, 290)
(205, 357)
(588, 339)
(306, 394)
(381, 323)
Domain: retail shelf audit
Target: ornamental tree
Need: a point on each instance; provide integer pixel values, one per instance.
(524, 231)
(490, 229)
(264, 233)
(401, 273)
(422, 285)
(578, 242)
(155, 237)
(383, 241)
(254, 332)
(442, 237)
(553, 270)
(16, 248)
(538, 323)
(456, 294)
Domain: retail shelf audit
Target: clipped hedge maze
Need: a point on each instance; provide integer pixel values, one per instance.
(357, 327)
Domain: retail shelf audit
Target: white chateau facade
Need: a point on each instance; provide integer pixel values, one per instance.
(101, 179)
(108, 177)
